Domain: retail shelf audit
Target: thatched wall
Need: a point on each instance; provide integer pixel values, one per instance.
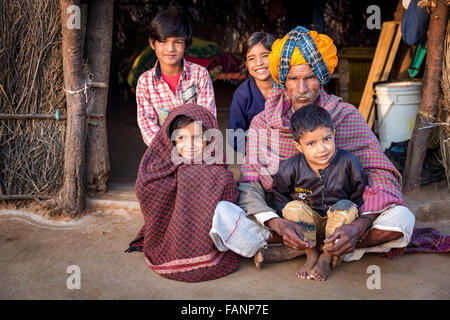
(31, 80)
(444, 107)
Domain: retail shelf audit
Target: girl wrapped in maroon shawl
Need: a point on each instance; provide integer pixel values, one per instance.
(178, 203)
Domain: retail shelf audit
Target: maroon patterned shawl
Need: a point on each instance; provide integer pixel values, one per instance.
(178, 203)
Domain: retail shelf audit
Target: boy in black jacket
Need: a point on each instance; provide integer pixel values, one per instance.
(326, 184)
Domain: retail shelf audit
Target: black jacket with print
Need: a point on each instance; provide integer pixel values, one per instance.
(344, 178)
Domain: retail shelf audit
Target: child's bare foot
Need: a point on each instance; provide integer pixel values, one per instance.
(323, 267)
(311, 258)
(336, 262)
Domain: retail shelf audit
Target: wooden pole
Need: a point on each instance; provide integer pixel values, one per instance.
(98, 54)
(417, 146)
(71, 198)
(34, 116)
(24, 197)
(380, 69)
(405, 52)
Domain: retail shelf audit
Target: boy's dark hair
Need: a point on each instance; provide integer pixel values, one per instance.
(179, 122)
(309, 118)
(266, 39)
(171, 23)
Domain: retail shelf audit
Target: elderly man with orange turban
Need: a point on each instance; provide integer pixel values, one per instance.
(301, 63)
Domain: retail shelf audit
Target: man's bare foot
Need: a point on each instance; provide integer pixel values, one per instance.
(311, 258)
(258, 259)
(322, 268)
(274, 253)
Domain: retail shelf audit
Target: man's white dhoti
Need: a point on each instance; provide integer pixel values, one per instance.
(231, 229)
(396, 218)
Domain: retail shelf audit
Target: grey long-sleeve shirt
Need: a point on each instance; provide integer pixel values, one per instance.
(255, 201)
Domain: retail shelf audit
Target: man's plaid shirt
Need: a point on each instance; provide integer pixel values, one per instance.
(155, 99)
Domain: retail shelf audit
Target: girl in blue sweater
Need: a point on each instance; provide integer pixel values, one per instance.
(250, 97)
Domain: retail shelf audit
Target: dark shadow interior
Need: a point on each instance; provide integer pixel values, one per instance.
(125, 143)
(216, 21)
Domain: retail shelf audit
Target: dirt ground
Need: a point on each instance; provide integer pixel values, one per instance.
(35, 252)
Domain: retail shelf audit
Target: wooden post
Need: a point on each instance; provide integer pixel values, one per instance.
(399, 12)
(71, 198)
(380, 69)
(405, 52)
(98, 54)
(417, 146)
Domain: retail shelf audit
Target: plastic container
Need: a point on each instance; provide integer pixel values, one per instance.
(397, 106)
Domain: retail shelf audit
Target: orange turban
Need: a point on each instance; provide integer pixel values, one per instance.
(323, 43)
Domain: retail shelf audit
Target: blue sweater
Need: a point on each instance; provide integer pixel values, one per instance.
(247, 102)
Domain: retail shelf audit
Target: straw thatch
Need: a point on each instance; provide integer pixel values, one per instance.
(31, 82)
(444, 107)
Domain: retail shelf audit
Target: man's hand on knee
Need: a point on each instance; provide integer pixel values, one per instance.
(344, 239)
(291, 233)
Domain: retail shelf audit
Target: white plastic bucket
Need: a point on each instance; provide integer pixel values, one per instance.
(397, 106)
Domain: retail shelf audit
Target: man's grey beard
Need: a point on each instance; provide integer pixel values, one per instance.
(303, 96)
